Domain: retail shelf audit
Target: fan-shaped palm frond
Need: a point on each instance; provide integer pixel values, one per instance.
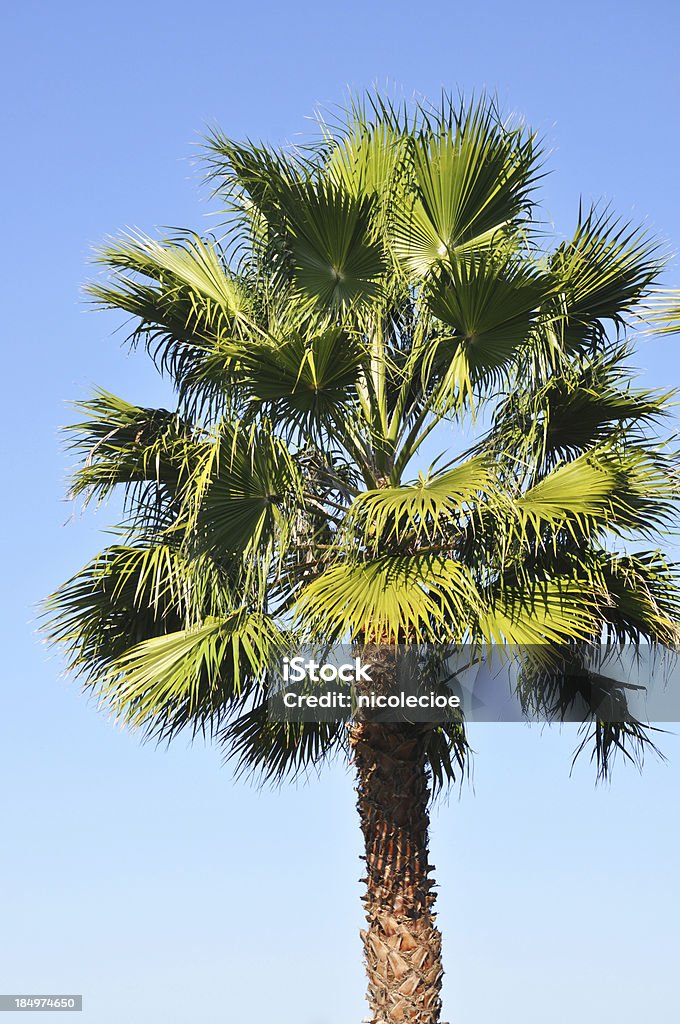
(601, 273)
(391, 599)
(304, 377)
(489, 308)
(419, 510)
(124, 444)
(473, 178)
(192, 676)
(604, 489)
(248, 482)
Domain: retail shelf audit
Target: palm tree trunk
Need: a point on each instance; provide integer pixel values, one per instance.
(402, 944)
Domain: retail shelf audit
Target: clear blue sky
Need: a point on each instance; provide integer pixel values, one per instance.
(151, 881)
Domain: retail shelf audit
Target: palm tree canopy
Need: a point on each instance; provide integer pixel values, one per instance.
(388, 277)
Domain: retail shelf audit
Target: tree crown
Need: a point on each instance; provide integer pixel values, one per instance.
(388, 277)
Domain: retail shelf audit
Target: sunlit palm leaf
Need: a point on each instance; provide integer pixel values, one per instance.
(189, 269)
(489, 307)
(645, 603)
(472, 180)
(337, 259)
(185, 300)
(422, 508)
(367, 158)
(190, 677)
(553, 611)
(131, 593)
(602, 490)
(561, 415)
(303, 379)
(248, 482)
(390, 599)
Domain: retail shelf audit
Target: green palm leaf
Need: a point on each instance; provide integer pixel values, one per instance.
(189, 677)
(472, 181)
(126, 445)
(390, 599)
(247, 483)
(188, 270)
(601, 273)
(131, 593)
(603, 489)
(662, 310)
(489, 308)
(305, 378)
(367, 158)
(337, 259)
(554, 611)
(421, 509)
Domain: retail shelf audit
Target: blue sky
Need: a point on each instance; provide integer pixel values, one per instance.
(149, 880)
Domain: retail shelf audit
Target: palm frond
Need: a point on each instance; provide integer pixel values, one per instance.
(552, 611)
(601, 274)
(420, 510)
(390, 599)
(472, 177)
(124, 444)
(489, 308)
(128, 594)
(191, 676)
(243, 489)
(603, 489)
(304, 378)
(274, 751)
(180, 292)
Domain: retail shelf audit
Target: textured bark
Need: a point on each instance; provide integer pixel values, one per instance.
(402, 944)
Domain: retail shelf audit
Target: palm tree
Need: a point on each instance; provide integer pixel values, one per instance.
(387, 279)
